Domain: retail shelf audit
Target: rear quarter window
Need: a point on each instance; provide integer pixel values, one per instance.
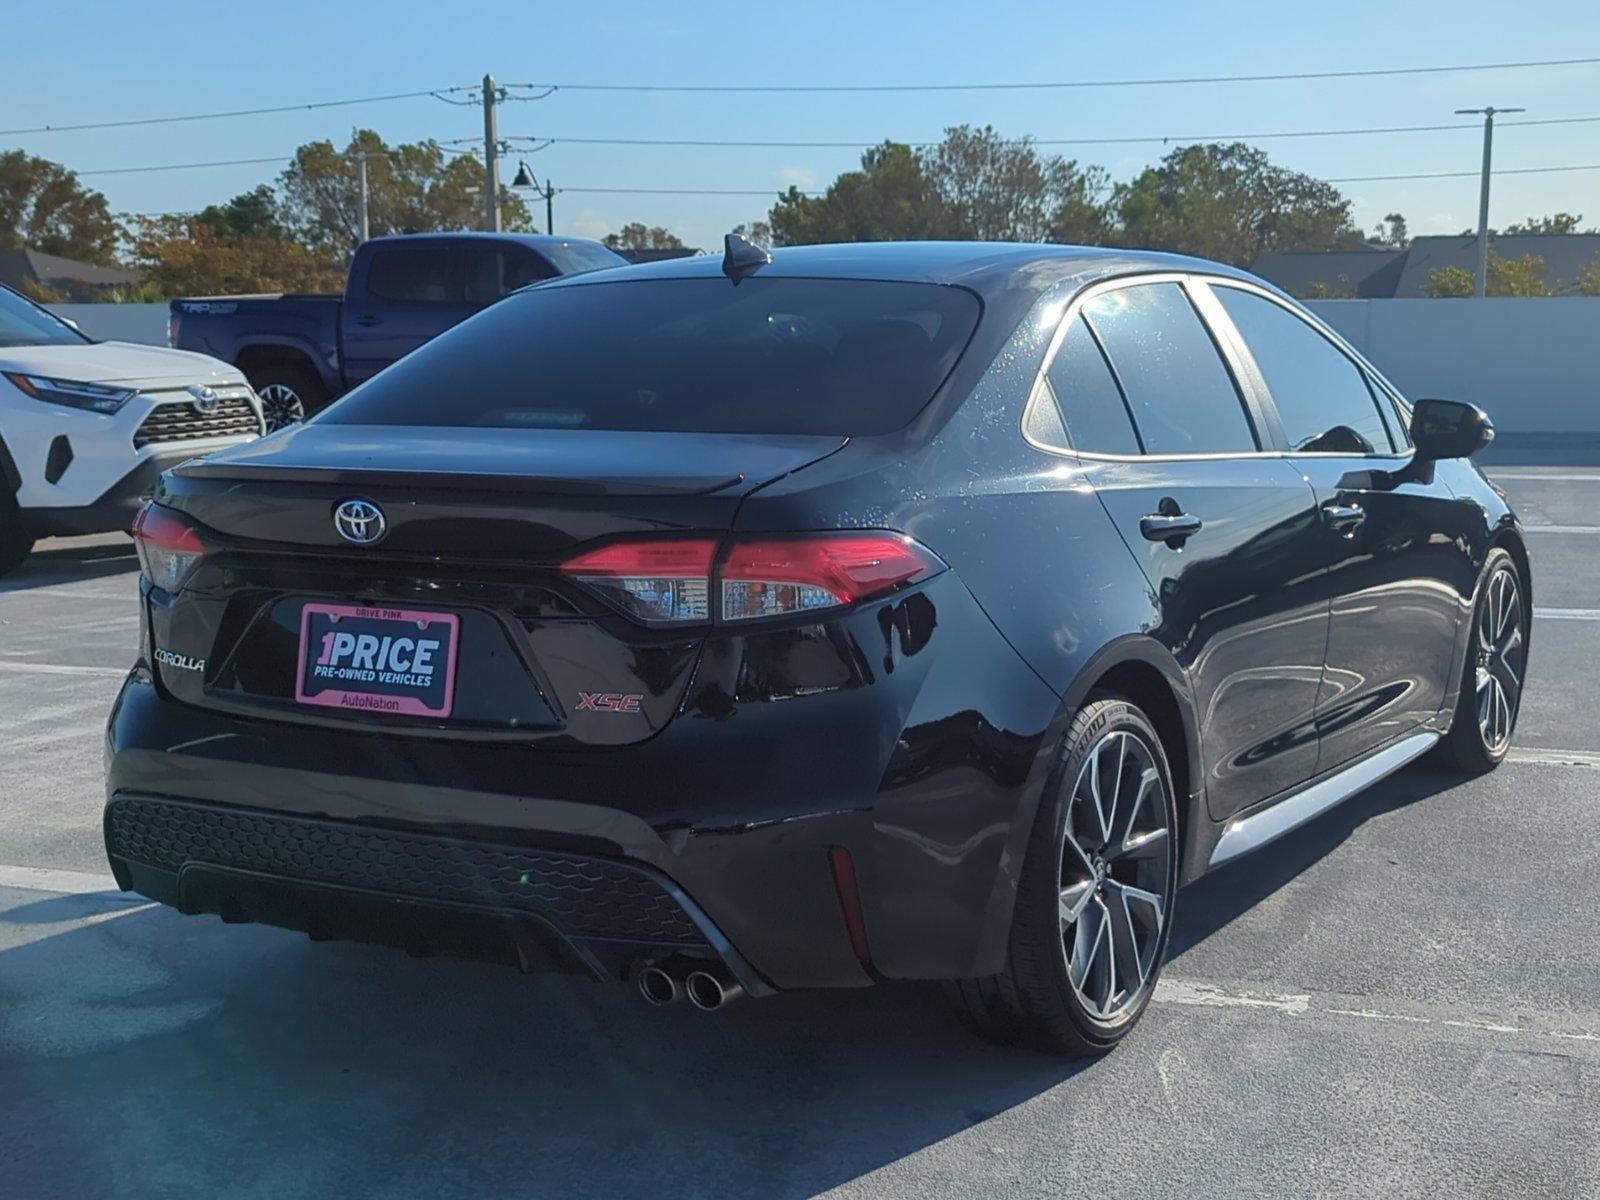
(775, 355)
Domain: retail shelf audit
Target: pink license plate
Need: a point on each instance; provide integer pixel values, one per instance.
(375, 659)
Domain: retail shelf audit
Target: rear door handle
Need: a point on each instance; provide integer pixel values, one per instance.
(1343, 518)
(369, 320)
(1171, 528)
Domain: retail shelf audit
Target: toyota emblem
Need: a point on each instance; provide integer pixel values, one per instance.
(360, 521)
(203, 398)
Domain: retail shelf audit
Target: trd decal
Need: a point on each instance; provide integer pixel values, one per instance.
(610, 702)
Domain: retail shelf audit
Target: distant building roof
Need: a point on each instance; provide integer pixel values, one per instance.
(1565, 256)
(57, 274)
(1333, 273)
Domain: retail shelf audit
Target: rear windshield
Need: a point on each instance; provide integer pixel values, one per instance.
(573, 258)
(785, 356)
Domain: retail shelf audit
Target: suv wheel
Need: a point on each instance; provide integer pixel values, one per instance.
(1094, 906)
(16, 543)
(288, 394)
(1496, 667)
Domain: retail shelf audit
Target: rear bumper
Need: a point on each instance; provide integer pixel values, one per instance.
(536, 910)
(925, 766)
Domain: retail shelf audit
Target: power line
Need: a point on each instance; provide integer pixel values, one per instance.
(438, 93)
(1368, 73)
(1157, 139)
(224, 162)
(1464, 174)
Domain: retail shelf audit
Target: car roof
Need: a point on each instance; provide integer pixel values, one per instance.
(525, 239)
(985, 267)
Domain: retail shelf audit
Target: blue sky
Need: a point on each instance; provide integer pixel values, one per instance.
(90, 62)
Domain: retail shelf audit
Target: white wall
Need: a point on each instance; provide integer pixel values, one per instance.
(1533, 365)
(145, 323)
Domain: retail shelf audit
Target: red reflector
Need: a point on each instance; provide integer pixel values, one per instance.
(162, 527)
(664, 558)
(844, 879)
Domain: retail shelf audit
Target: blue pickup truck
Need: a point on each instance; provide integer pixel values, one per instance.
(301, 351)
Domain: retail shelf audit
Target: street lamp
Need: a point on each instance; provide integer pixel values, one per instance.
(525, 179)
(1488, 115)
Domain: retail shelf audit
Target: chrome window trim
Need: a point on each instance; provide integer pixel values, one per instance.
(1075, 306)
(1251, 405)
(1370, 374)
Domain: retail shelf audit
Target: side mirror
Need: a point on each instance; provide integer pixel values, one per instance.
(1442, 429)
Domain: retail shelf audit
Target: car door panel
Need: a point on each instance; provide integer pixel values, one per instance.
(1241, 609)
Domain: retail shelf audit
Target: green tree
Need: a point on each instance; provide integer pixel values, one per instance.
(1523, 276)
(889, 199)
(44, 207)
(249, 214)
(998, 189)
(187, 256)
(1589, 279)
(1230, 202)
(1556, 223)
(974, 185)
(411, 186)
(635, 235)
(1392, 231)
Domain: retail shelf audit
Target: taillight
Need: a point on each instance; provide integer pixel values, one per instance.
(779, 576)
(654, 581)
(169, 548)
(672, 580)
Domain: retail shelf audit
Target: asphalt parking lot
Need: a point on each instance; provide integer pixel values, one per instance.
(1402, 998)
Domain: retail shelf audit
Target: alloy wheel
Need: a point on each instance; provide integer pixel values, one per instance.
(1501, 655)
(281, 406)
(1116, 870)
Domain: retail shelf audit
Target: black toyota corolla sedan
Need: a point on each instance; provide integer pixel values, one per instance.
(721, 626)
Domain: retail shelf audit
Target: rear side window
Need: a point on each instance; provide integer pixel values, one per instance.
(774, 355)
(417, 274)
(1181, 395)
(1087, 397)
(1322, 397)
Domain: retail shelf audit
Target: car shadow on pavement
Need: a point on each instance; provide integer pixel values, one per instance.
(1223, 895)
(72, 561)
(143, 1052)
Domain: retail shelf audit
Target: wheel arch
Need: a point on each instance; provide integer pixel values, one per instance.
(258, 355)
(1143, 670)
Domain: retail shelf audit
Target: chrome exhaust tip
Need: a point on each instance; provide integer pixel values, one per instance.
(708, 992)
(658, 987)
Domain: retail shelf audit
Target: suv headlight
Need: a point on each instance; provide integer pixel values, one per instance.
(90, 397)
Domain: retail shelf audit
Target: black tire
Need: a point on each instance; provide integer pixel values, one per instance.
(1470, 747)
(16, 542)
(1034, 999)
(289, 393)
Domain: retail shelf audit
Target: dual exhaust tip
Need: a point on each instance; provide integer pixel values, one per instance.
(707, 990)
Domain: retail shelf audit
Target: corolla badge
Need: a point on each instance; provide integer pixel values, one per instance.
(360, 521)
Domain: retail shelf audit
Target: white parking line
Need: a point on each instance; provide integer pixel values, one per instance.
(28, 668)
(1568, 614)
(1562, 528)
(50, 879)
(1554, 758)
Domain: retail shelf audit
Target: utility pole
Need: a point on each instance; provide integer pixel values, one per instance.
(491, 155)
(361, 163)
(1488, 115)
(549, 206)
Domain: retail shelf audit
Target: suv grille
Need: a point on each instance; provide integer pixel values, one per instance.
(181, 421)
(581, 896)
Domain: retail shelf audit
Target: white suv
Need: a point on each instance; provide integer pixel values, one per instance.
(86, 426)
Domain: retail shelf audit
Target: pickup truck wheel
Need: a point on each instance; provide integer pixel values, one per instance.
(288, 394)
